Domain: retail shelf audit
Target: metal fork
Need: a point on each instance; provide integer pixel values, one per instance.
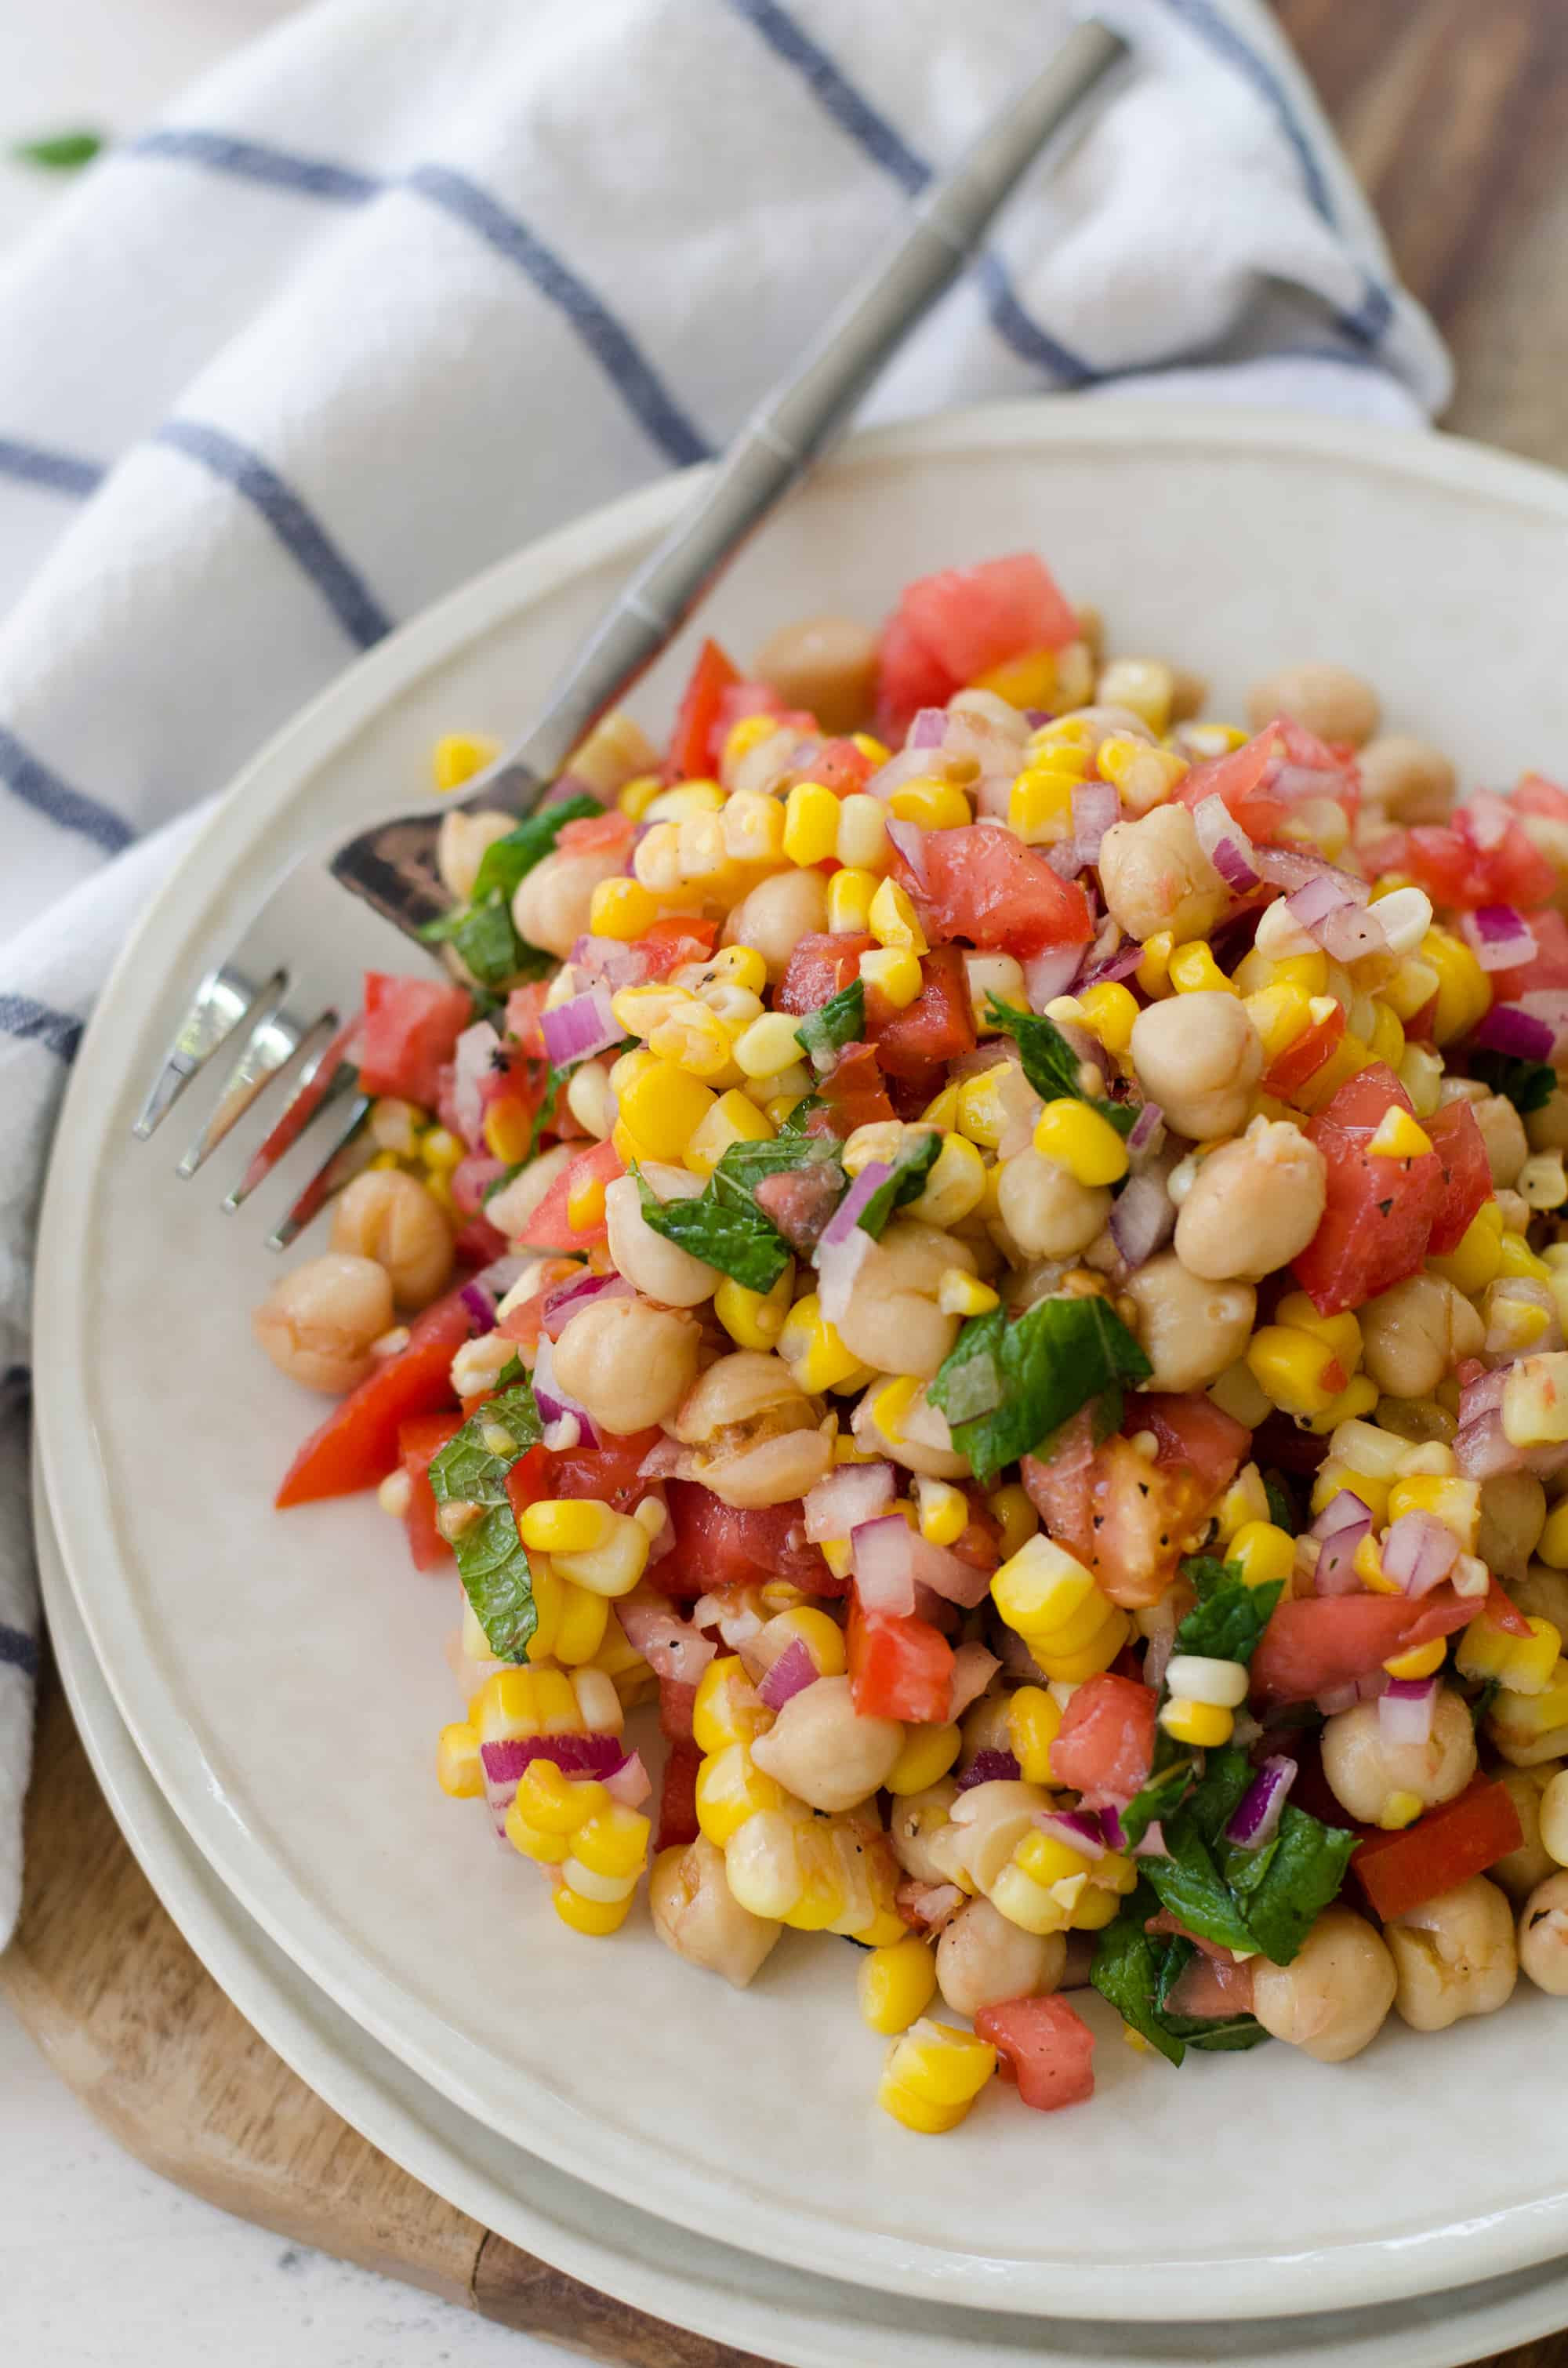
(295, 1021)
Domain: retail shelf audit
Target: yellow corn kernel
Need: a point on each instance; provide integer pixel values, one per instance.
(727, 1707)
(1265, 1553)
(1421, 1661)
(1280, 1012)
(812, 1349)
(745, 736)
(546, 1849)
(639, 794)
(595, 1918)
(1411, 988)
(895, 973)
(1517, 1257)
(811, 823)
(1203, 1724)
(1034, 1722)
(384, 1161)
(1521, 1665)
(459, 1768)
(1083, 1141)
(1045, 1858)
(509, 1131)
(1386, 1041)
(896, 1985)
(849, 894)
(656, 859)
(549, 1597)
(1399, 1810)
(954, 1187)
(1145, 685)
(768, 1045)
(1194, 971)
(1299, 1374)
(696, 1039)
(863, 833)
(612, 1844)
(1072, 1664)
(1535, 1400)
(1340, 1333)
(459, 755)
(1098, 1906)
(612, 1568)
(1237, 1394)
(981, 1116)
(1153, 973)
(942, 1509)
(931, 804)
(1040, 803)
(1040, 1587)
(730, 1119)
(556, 1803)
(1397, 1136)
(1368, 1564)
(894, 921)
(928, 1752)
(662, 1109)
(1455, 1503)
(933, 2076)
(684, 800)
(959, 1294)
(1068, 737)
(1358, 1396)
(1478, 1259)
(893, 1402)
(623, 908)
(752, 828)
(754, 1319)
(1108, 1011)
(1464, 991)
(1553, 1545)
(943, 1110)
(586, 1201)
(566, 1524)
(730, 1789)
(580, 1629)
(1246, 1500)
(440, 1148)
(1025, 682)
(1015, 1516)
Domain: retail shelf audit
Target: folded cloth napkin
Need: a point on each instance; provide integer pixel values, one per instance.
(409, 282)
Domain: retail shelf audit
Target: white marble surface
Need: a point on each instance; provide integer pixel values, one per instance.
(101, 2261)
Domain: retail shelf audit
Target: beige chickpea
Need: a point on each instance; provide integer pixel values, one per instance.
(628, 1363)
(696, 1914)
(1198, 1057)
(1255, 1203)
(989, 1821)
(1333, 1998)
(893, 1322)
(1154, 875)
(1046, 1210)
(1415, 1334)
(460, 844)
(510, 1209)
(820, 1748)
(916, 1818)
(1364, 1771)
(1543, 1935)
(827, 665)
(1189, 1330)
(552, 905)
(658, 1268)
(1542, 1594)
(1455, 1955)
(1329, 700)
(1531, 1862)
(1547, 1128)
(318, 1322)
(778, 912)
(984, 1729)
(982, 1960)
(394, 1218)
(1502, 1133)
(752, 1433)
(1513, 1515)
(921, 1441)
(1411, 781)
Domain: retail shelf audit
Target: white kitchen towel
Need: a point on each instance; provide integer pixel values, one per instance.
(411, 281)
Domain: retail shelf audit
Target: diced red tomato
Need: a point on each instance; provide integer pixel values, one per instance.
(1105, 1746)
(471, 1178)
(1211, 1987)
(679, 939)
(987, 887)
(1467, 1173)
(1485, 856)
(1317, 1644)
(952, 627)
(799, 1201)
(1127, 1519)
(1380, 1211)
(852, 1094)
(1192, 1430)
(356, 1446)
(550, 1227)
(1535, 794)
(937, 1027)
(727, 1546)
(525, 1009)
(678, 1798)
(692, 754)
(1241, 783)
(419, 1441)
(1445, 1847)
(410, 1027)
(841, 767)
(609, 1472)
(822, 965)
(1549, 968)
(909, 676)
(530, 1479)
(899, 1667)
(739, 700)
(676, 1701)
(1043, 2045)
(1303, 1059)
(1503, 1612)
(477, 1242)
(610, 833)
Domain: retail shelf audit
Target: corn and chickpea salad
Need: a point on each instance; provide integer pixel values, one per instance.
(1010, 1269)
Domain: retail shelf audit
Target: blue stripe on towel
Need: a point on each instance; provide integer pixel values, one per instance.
(248, 160)
(301, 534)
(60, 473)
(27, 778)
(32, 1022)
(18, 1649)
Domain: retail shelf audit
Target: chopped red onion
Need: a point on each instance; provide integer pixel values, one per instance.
(1096, 807)
(471, 1066)
(1328, 911)
(1256, 1817)
(1226, 844)
(1549, 1004)
(973, 1668)
(1120, 962)
(1143, 1217)
(908, 764)
(1499, 937)
(1339, 1529)
(1483, 1394)
(574, 1755)
(1482, 1449)
(579, 1290)
(631, 1783)
(1334, 1699)
(909, 841)
(1509, 1028)
(1418, 1552)
(883, 1554)
(1488, 818)
(552, 1402)
(1079, 1828)
(662, 1461)
(1034, 716)
(576, 1029)
(989, 1768)
(608, 958)
(1154, 1842)
(1293, 867)
(791, 1673)
(1404, 1709)
(673, 1648)
(847, 1216)
(955, 1580)
(851, 1495)
(1049, 974)
(1146, 1127)
(926, 730)
(1163, 1625)
(838, 1264)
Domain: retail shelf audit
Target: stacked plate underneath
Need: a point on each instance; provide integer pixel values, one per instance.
(261, 1693)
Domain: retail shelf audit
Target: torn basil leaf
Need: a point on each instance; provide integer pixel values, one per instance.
(472, 1469)
(1052, 1360)
(840, 1021)
(1051, 1064)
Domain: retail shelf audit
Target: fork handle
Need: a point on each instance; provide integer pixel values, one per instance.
(801, 417)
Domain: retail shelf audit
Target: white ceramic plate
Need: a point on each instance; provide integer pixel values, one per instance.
(284, 1679)
(808, 2321)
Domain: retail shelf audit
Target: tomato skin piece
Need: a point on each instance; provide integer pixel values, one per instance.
(1467, 1173)
(1305, 1057)
(986, 886)
(937, 1027)
(550, 1227)
(1106, 1748)
(679, 938)
(1550, 967)
(1445, 1847)
(692, 755)
(899, 1667)
(410, 1029)
(1504, 1612)
(1044, 2047)
(725, 1545)
(419, 1441)
(821, 966)
(1380, 1212)
(852, 1095)
(973, 617)
(1241, 783)
(610, 833)
(678, 1798)
(356, 1446)
(1455, 868)
(1124, 1517)
(1315, 1643)
(908, 678)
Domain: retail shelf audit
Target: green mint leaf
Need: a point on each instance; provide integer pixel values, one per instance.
(913, 1164)
(507, 862)
(1057, 1356)
(60, 151)
(744, 1165)
(1174, 1766)
(1529, 1085)
(1282, 1506)
(483, 938)
(840, 1021)
(804, 1109)
(1231, 1617)
(727, 1232)
(1128, 1967)
(472, 1469)
(1051, 1064)
(1294, 1878)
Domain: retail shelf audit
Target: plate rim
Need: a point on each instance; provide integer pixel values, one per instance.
(181, 915)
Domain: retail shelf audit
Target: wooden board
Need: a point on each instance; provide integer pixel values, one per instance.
(1455, 113)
